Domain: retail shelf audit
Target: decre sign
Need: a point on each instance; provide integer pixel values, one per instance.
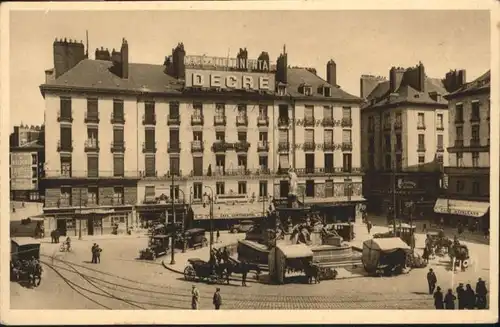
(229, 80)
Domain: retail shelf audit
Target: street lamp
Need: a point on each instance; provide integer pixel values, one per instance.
(211, 199)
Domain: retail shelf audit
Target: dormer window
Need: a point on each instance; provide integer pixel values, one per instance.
(305, 89)
(325, 90)
(281, 89)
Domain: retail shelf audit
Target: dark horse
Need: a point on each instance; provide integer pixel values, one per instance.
(27, 271)
(234, 266)
(312, 271)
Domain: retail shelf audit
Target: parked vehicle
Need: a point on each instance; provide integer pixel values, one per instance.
(385, 256)
(243, 227)
(158, 246)
(201, 270)
(193, 238)
(24, 265)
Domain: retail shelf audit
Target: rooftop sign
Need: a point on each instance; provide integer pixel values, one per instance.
(234, 80)
(205, 62)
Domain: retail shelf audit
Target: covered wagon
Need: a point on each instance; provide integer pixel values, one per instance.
(385, 256)
(285, 258)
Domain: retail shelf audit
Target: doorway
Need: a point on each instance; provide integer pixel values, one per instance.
(90, 226)
(61, 226)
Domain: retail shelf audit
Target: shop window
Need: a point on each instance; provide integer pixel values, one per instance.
(242, 187)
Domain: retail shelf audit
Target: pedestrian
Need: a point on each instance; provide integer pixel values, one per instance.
(481, 292)
(244, 272)
(438, 299)
(369, 226)
(218, 235)
(431, 280)
(449, 300)
(486, 233)
(442, 222)
(462, 299)
(98, 251)
(195, 298)
(470, 297)
(424, 228)
(93, 253)
(217, 300)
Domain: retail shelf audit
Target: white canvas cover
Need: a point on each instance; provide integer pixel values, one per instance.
(295, 251)
(372, 250)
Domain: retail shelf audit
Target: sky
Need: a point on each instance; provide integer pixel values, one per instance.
(360, 42)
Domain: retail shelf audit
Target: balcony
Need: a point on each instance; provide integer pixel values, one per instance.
(149, 119)
(66, 117)
(328, 146)
(387, 127)
(421, 148)
(149, 147)
(283, 122)
(117, 118)
(58, 174)
(328, 171)
(398, 125)
(328, 122)
(346, 146)
(475, 142)
(220, 120)
(173, 120)
(236, 172)
(308, 121)
(118, 147)
(91, 145)
(197, 120)
(220, 146)
(475, 119)
(64, 146)
(459, 143)
(309, 146)
(420, 126)
(241, 146)
(64, 202)
(459, 119)
(262, 121)
(440, 148)
(346, 122)
(91, 117)
(174, 147)
(242, 121)
(440, 127)
(283, 146)
(197, 146)
(263, 146)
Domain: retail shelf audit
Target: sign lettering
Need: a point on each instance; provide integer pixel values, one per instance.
(21, 171)
(229, 80)
(241, 64)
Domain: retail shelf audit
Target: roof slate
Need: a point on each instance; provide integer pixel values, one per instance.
(481, 83)
(149, 78)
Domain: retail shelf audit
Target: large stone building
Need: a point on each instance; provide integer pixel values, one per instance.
(405, 135)
(192, 127)
(467, 187)
(26, 163)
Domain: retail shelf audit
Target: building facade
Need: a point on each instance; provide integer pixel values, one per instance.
(404, 121)
(467, 189)
(26, 163)
(164, 138)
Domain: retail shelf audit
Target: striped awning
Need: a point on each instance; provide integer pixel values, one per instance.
(461, 207)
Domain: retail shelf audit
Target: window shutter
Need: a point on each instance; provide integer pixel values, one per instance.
(309, 111)
(118, 135)
(328, 136)
(327, 112)
(284, 161)
(150, 165)
(309, 135)
(119, 166)
(283, 136)
(346, 136)
(198, 166)
(93, 166)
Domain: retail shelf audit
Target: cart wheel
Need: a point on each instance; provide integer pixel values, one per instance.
(189, 273)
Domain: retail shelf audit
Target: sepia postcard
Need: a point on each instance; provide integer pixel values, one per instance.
(249, 162)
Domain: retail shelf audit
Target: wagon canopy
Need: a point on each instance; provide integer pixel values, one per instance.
(24, 248)
(386, 244)
(382, 251)
(295, 251)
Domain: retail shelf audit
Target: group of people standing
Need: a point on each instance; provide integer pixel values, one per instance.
(96, 253)
(195, 298)
(467, 298)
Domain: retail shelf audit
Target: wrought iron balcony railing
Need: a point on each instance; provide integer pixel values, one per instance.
(91, 117)
(241, 121)
(309, 146)
(346, 122)
(220, 120)
(220, 146)
(328, 122)
(117, 118)
(262, 121)
(459, 143)
(309, 121)
(117, 146)
(421, 148)
(65, 117)
(149, 119)
(263, 146)
(64, 146)
(346, 146)
(173, 120)
(283, 146)
(174, 147)
(283, 122)
(197, 120)
(64, 174)
(241, 146)
(149, 147)
(197, 146)
(329, 146)
(91, 145)
(475, 142)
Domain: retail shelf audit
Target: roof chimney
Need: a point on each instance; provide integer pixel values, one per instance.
(282, 67)
(124, 59)
(331, 73)
(67, 55)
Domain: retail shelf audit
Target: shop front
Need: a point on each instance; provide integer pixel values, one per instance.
(468, 213)
(226, 215)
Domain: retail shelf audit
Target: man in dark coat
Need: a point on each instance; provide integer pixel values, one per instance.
(98, 251)
(449, 300)
(462, 299)
(438, 299)
(431, 280)
(217, 300)
(244, 271)
(93, 253)
(481, 292)
(369, 226)
(470, 297)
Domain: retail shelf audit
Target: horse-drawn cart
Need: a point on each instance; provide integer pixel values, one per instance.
(24, 265)
(201, 270)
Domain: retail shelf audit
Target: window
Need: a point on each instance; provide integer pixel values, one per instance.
(440, 141)
(150, 166)
(421, 141)
(118, 136)
(329, 188)
(475, 188)
(66, 138)
(307, 90)
(309, 114)
(399, 143)
(92, 166)
(242, 162)
(399, 120)
(347, 187)
(263, 162)
(329, 167)
(220, 163)
(460, 159)
(34, 172)
(309, 163)
(242, 110)
(283, 163)
(198, 191)
(387, 121)
(328, 136)
(346, 113)
(263, 188)
(118, 195)
(399, 162)
(346, 136)
(387, 138)
(284, 188)
(262, 110)
(309, 136)
(475, 132)
(92, 105)
(118, 166)
(65, 197)
(459, 113)
(149, 112)
(421, 120)
(309, 188)
(118, 112)
(220, 189)
(149, 138)
(65, 103)
(475, 114)
(149, 192)
(198, 136)
(327, 112)
(388, 163)
(220, 136)
(175, 166)
(174, 109)
(263, 136)
(34, 159)
(460, 186)
(439, 158)
(327, 91)
(242, 187)
(198, 166)
(92, 196)
(66, 166)
(242, 136)
(459, 132)
(440, 122)
(475, 159)
(347, 162)
(220, 110)
(421, 159)
(174, 137)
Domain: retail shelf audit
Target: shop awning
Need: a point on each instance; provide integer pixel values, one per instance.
(295, 251)
(95, 211)
(335, 200)
(229, 211)
(461, 207)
